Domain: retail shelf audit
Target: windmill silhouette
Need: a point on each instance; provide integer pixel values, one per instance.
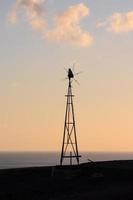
(69, 145)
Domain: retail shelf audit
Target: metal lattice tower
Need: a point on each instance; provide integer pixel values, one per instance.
(69, 145)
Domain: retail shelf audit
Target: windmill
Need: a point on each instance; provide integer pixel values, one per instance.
(69, 145)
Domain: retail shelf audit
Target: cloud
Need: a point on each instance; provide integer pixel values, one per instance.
(67, 26)
(119, 23)
(34, 12)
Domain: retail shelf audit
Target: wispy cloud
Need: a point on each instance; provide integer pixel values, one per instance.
(119, 23)
(34, 12)
(67, 24)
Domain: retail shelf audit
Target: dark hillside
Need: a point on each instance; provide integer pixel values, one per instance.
(101, 180)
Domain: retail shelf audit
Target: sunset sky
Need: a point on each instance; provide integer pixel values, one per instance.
(38, 39)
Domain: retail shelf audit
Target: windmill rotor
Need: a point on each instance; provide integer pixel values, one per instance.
(71, 74)
(76, 81)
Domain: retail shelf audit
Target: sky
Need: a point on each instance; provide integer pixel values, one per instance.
(38, 39)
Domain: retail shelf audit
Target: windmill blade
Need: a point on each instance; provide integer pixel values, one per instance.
(73, 67)
(76, 81)
(78, 73)
(65, 69)
(75, 64)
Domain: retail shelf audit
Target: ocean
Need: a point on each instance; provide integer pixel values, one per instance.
(32, 159)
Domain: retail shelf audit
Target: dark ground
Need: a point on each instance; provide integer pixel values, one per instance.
(91, 181)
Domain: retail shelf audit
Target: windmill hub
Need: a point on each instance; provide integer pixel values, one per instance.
(70, 74)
